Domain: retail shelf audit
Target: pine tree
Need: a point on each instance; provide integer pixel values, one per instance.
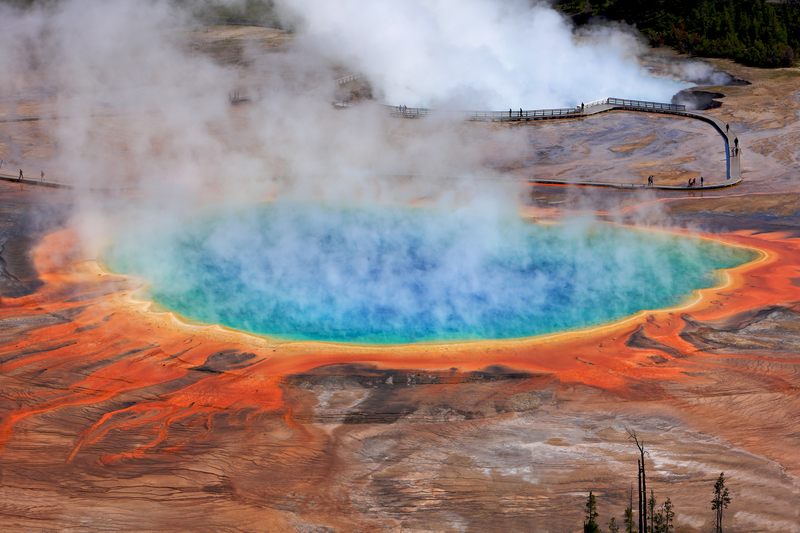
(630, 525)
(590, 524)
(658, 521)
(720, 502)
(669, 516)
(651, 505)
(612, 525)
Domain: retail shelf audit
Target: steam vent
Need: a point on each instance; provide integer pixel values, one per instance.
(495, 267)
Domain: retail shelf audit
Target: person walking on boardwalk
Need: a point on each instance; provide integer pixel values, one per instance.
(20, 175)
(701, 181)
(42, 175)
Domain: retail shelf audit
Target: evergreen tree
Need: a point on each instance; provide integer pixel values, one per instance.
(651, 505)
(755, 32)
(669, 516)
(612, 525)
(630, 525)
(590, 523)
(720, 502)
(658, 521)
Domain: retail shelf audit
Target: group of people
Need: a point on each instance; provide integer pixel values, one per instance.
(650, 181)
(693, 182)
(21, 177)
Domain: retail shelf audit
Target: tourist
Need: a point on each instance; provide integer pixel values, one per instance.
(42, 175)
(701, 181)
(20, 175)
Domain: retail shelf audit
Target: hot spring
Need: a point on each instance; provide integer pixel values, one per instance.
(393, 275)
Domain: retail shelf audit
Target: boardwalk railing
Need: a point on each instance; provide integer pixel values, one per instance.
(645, 105)
(602, 101)
(416, 112)
(538, 114)
(348, 79)
(521, 113)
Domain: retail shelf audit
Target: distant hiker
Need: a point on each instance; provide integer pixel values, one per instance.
(701, 181)
(20, 175)
(509, 112)
(581, 107)
(520, 111)
(42, 175)
(727, 127)
(736, 141)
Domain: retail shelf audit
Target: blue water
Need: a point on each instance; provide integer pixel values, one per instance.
(401, 275)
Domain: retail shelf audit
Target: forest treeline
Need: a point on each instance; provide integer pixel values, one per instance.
(752, 32)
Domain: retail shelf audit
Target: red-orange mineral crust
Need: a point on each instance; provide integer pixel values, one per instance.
(116, 416)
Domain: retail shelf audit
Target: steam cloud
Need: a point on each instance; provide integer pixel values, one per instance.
(478, 54)
(139, 107)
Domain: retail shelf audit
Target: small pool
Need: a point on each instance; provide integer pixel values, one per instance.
(393, 275)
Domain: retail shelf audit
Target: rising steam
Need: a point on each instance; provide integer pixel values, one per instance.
(478, 54)
(144, 114)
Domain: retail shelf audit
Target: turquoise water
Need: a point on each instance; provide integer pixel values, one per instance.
(401, 275)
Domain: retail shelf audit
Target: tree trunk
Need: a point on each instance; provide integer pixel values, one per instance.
(641, 525)
(644, 489)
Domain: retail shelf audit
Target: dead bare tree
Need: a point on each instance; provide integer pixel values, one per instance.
(641, 506)
(642, 481)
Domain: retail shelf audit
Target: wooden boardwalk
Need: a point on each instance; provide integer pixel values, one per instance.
(733, 162)
(39, 182)
(733, 169)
